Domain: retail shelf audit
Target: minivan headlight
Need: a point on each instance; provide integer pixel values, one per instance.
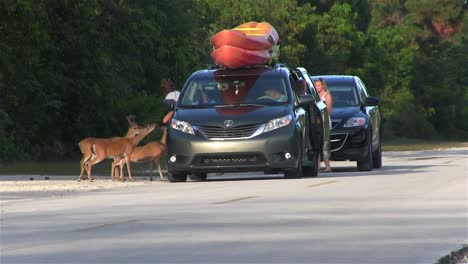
(277, 123)
(182, 126)
(355, 121)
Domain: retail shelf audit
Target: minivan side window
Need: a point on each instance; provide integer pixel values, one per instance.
(294, 87)
(311, 87)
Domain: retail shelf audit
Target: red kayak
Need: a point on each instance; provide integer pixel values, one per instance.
(233, 57)
(251, 35)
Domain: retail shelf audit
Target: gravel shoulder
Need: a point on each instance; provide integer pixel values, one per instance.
(14, 187)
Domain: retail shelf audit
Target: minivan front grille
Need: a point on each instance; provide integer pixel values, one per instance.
(215, 132)
(229, 160)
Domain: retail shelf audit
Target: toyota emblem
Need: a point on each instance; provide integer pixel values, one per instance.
(228, 123)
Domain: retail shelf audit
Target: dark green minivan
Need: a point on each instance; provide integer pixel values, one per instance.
(250, 119)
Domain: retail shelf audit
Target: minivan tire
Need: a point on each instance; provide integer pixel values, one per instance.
(298, 172)
(311, 171)
(199, 176)
(177, 177)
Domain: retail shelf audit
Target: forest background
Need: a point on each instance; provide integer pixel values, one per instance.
(70, 69)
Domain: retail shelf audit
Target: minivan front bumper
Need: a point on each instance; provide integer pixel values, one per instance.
(276, 150)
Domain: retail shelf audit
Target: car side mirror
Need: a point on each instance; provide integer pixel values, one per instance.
(372, 101)
(169, 103)
(306, 100)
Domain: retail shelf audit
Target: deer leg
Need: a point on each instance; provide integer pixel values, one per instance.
(129, 170)
(114, 172)
(83, 166)
(159, 169)
(151, 170)
(117, 172)
(94, 160)
(121, 172)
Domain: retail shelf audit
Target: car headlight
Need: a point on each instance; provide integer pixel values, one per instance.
(182, 126)
(355, 121)
(277, 123)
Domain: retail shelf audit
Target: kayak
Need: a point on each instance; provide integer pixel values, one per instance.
(234, 57)
(250, 35)
(248, 44)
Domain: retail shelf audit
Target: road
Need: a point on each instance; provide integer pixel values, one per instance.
(412, 210)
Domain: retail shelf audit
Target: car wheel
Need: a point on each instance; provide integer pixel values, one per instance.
(367, 163)
(200, 176)
(311, 171)
(377, 156)
(177, 177)
(296, 173)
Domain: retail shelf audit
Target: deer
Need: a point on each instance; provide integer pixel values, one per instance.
(151, 152)
(118, 147)
(87, 143)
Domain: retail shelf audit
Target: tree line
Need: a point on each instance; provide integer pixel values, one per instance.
(73, 69)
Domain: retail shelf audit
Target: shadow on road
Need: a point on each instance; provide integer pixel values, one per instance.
(348, 171)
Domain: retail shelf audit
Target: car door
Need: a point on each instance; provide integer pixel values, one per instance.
(301, 114)
(319, 115)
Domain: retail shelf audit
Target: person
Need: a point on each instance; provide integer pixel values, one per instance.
(168, 89)
(325, 96)
(274, 93)
(301, 87)
(209, 97)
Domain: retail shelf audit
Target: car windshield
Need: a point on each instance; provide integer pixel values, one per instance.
(227, 91)
(343, 94)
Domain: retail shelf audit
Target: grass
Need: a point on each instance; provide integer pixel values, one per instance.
(67, 168)
(72, 167)
(403, 144)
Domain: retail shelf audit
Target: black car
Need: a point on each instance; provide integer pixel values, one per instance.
(249, 119)
(356, 123)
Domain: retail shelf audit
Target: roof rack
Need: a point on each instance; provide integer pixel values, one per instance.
(275, 66)
(213, 67)
(279, 65)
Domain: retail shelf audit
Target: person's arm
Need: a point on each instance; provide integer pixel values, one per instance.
(329, 102)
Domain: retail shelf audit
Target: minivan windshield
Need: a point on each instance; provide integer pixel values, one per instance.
(227, 91)
(344, 94)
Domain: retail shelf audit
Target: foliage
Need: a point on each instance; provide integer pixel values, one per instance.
(72, 69)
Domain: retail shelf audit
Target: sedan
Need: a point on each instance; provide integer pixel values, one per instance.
(356, 122)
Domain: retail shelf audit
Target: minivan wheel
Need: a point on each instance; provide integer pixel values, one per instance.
(377, 156)
(199, 176)
(296, 173)
(311, 171)
(367, 163)
(177, 177)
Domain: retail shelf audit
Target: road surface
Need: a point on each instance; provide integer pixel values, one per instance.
(412, 210)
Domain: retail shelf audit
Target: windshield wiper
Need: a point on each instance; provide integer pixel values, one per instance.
(238, 105)
(194, 106)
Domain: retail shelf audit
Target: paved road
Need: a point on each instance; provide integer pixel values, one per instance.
(413, 210)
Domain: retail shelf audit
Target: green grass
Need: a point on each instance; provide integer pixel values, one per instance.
(67, 168)
(51, 168)
(403, 144)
